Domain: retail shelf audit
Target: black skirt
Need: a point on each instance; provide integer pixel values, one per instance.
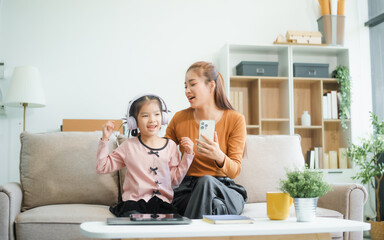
(154, 205)
(196, 196)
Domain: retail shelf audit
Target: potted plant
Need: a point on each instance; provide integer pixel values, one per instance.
(367, 156)
(305, 186)
(341, 73)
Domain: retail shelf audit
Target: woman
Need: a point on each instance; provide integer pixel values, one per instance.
(208, 187)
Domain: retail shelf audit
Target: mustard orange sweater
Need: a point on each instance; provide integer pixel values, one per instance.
(231, 133)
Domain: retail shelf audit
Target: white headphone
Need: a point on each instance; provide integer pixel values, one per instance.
(131, 121)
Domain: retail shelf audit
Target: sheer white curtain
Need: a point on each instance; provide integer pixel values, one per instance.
(376, 32)
(376, 11)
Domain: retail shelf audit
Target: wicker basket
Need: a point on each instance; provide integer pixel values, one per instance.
(377, 230)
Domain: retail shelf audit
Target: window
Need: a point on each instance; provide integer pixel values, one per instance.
(376, 32)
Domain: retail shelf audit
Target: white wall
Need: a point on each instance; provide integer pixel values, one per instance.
(94, 55)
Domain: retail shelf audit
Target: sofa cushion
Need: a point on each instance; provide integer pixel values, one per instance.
(60, 168)
(58, 221)
(64, 213)
(265, 161)
(259, 210)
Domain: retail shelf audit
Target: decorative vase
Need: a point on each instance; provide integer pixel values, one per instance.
(305, 209)
(377, 230)
(306, 119)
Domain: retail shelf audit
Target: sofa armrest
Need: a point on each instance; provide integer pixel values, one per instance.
(349, 200)
(10, 206)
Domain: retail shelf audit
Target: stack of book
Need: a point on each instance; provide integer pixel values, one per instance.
(331, 101)
(317, 159)
(314, 158)
(237, 100)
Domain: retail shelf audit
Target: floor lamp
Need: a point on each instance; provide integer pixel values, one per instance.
(25, 89)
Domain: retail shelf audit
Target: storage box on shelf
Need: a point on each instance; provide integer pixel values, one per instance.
(315, 70)
(252, 68)
(274, 105)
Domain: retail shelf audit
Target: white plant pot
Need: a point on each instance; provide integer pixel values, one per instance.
(305, 209)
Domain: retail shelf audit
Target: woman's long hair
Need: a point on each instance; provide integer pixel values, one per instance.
(208, 70)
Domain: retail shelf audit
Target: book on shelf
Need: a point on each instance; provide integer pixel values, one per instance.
(316, 158)
(241, 102)
(226, 219)
(343, 158)
(332, 160)
(234, 102)
(325, 161)
(325, 107)
(330, 104)
(335, 110)
(321, 156)
(237, 100)
(308, 158)
(312, 160)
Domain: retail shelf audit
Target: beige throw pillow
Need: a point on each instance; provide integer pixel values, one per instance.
(265, 161)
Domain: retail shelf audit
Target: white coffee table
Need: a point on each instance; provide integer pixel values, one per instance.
(262, 228)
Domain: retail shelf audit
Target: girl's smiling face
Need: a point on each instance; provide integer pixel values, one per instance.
(149, 118)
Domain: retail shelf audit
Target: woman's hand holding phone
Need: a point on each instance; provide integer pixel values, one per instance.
(211, 149)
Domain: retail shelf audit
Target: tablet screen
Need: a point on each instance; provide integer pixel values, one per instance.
(156, 217)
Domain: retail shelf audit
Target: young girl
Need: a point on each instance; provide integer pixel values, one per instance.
(152, 162)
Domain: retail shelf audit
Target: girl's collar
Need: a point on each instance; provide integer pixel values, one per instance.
(154, 149)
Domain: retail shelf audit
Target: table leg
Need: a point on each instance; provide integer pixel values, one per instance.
(312, 236)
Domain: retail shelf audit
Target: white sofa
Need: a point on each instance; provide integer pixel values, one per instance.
(60, 188)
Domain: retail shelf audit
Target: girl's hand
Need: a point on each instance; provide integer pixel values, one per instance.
(187, 144)
(211, 149)
(108, 130)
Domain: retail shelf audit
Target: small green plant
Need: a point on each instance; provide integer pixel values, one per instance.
(367, 158)
(344, 81)
(304, 183)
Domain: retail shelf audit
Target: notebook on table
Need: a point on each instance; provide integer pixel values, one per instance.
(226, 219)
(149, 219)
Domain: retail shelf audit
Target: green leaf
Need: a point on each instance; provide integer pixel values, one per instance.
(304, 184)
(344, 81)
(367, 153)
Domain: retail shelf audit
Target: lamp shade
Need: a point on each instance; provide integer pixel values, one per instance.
(25, 87)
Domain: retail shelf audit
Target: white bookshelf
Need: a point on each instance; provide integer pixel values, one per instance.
(274, 105)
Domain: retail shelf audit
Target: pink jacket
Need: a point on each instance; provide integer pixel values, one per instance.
(149, 172)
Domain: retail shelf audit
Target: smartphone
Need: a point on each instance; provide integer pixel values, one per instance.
(207, 128)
